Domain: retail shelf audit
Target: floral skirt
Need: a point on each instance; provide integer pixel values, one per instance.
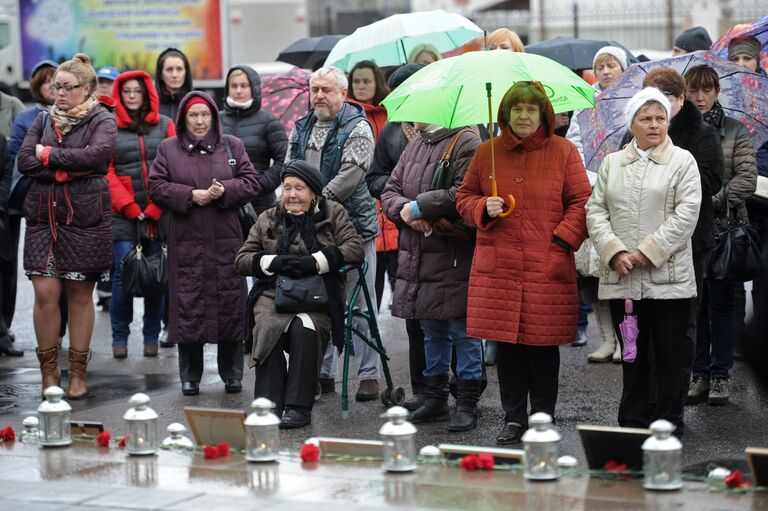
(50, 271)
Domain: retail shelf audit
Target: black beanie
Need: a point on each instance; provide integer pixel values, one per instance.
(306, 172)
(694, 39)
(401, 74)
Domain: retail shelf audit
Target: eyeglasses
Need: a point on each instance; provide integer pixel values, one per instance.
(132, 92)
(55, 87)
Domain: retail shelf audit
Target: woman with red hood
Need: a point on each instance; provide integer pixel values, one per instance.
(135, 218)
(368, 88)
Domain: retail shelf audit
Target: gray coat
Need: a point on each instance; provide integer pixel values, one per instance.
(331, 228)
(10, 107)
(432, 274)
(740, 166)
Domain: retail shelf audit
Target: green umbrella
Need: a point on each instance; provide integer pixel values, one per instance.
(388, 42)
(452, 92)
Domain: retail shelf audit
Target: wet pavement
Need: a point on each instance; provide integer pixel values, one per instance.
(588, 394)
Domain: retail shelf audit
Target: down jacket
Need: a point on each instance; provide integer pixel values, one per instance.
(649, 204)
(432, 274)
(70, 220)
(740, 166)
(128, 175)
(263, 136)
(207, 297)
(522, 287)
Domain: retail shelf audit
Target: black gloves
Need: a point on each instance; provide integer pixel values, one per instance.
(299, 266)
(280, 262)
(334, 257)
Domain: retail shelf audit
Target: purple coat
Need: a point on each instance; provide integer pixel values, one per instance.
(207, 296)
(70, 220)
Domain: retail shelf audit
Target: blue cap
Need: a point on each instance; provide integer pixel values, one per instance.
(108, 73)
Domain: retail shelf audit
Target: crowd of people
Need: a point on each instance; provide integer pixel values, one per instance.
(109, 160)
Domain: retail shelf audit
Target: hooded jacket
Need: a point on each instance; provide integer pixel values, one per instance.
(128, 174)
(522, 285)
(264, 138)
(169, 102)
(207, 297)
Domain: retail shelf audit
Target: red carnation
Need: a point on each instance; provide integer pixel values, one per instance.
(103, 438)
(470, 463)
(310, 453)
(613, 466)
(210, 452)
(121, 442)
(223, 449)
(7, 434)
(733, 480)
(485, 461)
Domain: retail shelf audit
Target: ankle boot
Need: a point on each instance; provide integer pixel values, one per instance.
(435, 404)
(49, 367)
(76, 386)
(466, 406)
(605, 352)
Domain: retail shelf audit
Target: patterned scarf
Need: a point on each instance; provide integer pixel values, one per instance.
(65, 120)
(715, 115)
(409, 130)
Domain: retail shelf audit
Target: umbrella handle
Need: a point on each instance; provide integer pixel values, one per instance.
(510, 198)
(494, 187)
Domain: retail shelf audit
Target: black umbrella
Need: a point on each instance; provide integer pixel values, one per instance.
(574, 53)
(307, 52)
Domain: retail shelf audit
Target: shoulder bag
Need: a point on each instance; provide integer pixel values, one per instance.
(304, 294)
(451, 229)
(145, 275)
(736, 254)
(245, 213)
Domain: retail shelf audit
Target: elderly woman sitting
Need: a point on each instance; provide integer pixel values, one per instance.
(304, 235)
(641, 216)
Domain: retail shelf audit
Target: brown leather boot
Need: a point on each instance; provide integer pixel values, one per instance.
(49, 367)
(76, 386)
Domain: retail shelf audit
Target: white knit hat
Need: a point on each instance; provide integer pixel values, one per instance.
(613, 51)
(637, 101)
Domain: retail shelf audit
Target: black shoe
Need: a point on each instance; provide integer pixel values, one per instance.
(190, 388)
(295, 418)
(163, 340)
(7, 348)
(435, 405)
(11, 335)
(466, 405)
(512, 433)
(233, 386)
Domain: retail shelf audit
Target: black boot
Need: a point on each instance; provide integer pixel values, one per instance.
(435, 404)
(466, 405)
(8, 349)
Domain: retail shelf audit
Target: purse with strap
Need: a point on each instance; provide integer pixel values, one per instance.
(245, 213)
(736, 255)
(455, 228)
(304, 294)
(144, 275)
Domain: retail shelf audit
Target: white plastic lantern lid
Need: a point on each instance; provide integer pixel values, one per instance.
(53, 401)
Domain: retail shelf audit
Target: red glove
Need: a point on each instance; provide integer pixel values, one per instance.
(132, 211)
(45, 155)
(62, 176)
(153, 212)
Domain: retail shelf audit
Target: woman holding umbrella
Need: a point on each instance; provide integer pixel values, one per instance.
(641, 217)
(522, 284)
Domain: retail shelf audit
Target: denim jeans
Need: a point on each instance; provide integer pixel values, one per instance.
(584, 310)
(121, 308)
(717, 330)
(439, 337)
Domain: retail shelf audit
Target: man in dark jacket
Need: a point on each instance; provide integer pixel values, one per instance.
(335, 136)
(261, 132)
(689, 131)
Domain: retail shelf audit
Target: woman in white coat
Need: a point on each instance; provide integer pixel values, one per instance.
(642, 213)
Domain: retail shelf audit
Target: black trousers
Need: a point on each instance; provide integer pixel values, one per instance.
(291, 385)
(527, 371)
(9, 272)
(663, 354)
(700, 263)
(229, 360)
(417, 360)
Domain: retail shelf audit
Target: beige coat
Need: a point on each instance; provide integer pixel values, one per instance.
(651, 204)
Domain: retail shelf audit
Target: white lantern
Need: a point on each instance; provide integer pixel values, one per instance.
(399, 450)
(662, 463)
(55, 414)
(176, 437)
(262, 436)
(142, 427)
(542, 446)
(31, 433)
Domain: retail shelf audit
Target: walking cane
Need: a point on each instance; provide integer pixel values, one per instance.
(494, 187)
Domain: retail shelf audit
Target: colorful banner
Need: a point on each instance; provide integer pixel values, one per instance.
(127, 34)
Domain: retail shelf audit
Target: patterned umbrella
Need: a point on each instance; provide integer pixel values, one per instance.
(758, 29)
(287, 96)
(742, 95)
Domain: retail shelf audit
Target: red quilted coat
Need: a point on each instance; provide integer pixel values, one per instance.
(522, 286)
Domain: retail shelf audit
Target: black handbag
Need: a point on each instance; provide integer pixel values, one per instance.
(736, 254)
(305, 294)
(145, 275)
(245, 213)
(455, 228)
